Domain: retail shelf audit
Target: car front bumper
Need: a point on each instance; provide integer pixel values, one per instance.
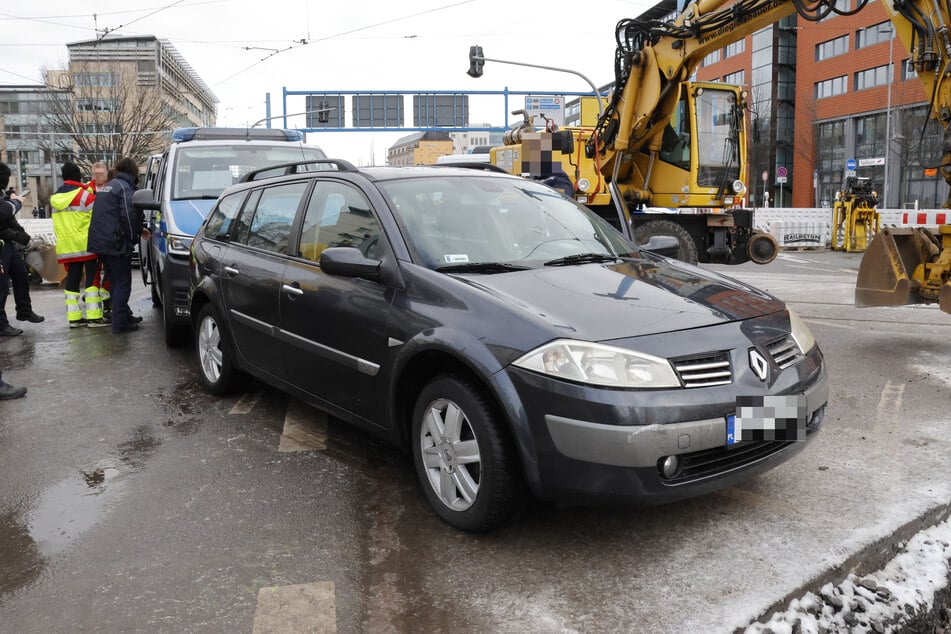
(591, 444)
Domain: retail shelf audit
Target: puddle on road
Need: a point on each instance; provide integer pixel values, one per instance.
(70, 508)
(66, 511)
(22, 561)
(61, 515)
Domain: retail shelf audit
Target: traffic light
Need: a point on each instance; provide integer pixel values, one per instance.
(22, 173)
(323, 112)
(476, 61)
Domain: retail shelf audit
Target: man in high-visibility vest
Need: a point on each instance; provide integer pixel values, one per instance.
(72, 211)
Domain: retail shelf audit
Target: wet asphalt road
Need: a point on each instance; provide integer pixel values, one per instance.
(134, 501)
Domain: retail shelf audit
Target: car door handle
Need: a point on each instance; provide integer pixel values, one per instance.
(292, 290)
(230, 270)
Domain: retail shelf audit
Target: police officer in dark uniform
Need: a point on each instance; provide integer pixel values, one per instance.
(11, 234)
(114, 229)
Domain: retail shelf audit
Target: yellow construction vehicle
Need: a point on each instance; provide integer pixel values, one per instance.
(855, 220)
(665, 142)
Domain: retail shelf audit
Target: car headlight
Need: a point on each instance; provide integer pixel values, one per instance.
(179, 245)
(597, 364)
(800, 332)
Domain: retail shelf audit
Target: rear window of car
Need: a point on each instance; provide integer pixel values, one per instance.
(224, 213)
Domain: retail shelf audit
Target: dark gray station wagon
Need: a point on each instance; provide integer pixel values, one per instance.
(514, 342)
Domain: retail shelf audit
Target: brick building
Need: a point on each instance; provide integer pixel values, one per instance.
(819, 96)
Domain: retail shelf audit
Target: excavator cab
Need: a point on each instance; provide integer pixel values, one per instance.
(698, 157)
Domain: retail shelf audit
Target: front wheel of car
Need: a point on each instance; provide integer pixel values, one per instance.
(215, 361)
(464, 457)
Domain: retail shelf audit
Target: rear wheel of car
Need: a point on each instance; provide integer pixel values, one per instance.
(215, 361)
(465, 460)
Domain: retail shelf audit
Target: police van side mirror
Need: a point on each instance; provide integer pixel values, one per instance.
(145, 199)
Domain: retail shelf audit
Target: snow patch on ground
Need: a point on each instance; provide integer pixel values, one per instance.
(879, 602)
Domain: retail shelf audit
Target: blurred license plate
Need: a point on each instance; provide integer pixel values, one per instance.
(767, 418)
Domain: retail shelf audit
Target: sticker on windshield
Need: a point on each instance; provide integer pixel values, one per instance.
(456, 258)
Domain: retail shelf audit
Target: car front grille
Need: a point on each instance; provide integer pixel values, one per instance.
(697, 465)
(785, 351)
(704, 370)
(710, 462)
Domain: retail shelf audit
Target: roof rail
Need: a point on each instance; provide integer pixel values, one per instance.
(476, 165)
(207, 134)
(293, 168)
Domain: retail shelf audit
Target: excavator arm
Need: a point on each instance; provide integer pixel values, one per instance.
(655, 59)
(667, 156)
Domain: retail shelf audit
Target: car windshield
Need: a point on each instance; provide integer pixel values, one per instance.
(205, 171)
(474, 219)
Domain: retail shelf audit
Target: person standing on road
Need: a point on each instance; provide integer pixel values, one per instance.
(72, 210)
(114, 226)
(100, 176)
(12, 262)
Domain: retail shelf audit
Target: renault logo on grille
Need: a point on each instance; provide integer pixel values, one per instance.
(759, 364)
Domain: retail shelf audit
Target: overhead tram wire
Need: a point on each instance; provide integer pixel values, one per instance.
(303, 42)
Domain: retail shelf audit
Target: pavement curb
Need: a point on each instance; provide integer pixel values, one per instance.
(865, 561)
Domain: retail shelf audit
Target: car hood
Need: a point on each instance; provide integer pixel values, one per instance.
(598, 302)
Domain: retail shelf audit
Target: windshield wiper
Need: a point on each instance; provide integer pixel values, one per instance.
(480, 267)
(204, 197)
(582, 258)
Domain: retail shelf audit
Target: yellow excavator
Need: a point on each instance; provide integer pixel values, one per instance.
(667, 155)
(854, 217)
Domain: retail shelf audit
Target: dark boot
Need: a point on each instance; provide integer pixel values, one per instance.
(30, 316)
(7, 391)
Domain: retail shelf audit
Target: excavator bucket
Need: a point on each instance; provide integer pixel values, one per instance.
(887, 271)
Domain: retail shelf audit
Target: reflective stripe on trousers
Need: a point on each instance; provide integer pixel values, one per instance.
(93, 303)
(73, 311)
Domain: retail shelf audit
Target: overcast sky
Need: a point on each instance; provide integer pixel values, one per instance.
(244, 49)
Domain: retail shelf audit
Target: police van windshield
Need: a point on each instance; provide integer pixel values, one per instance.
(204, 172)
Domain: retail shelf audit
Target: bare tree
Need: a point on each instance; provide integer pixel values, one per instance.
(107, 113)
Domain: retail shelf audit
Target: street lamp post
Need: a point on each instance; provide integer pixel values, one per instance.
(888, 112)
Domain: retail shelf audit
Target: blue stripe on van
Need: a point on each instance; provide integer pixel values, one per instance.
(187, 215)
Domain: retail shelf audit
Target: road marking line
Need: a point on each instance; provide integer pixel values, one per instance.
(305, 428)
(827, 321)
(305, 607)
(246, 403)
(889, 404)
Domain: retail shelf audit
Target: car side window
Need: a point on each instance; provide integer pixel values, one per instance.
(223, 215)
(339, 215)
(274, 215)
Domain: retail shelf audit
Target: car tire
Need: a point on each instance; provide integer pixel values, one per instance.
(216, 365)
(688, 248)
(465, 460)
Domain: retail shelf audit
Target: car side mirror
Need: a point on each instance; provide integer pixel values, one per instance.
(667, 246)
(349, 262)
(145, 199)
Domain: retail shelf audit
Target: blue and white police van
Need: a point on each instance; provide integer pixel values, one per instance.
(182, 185)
